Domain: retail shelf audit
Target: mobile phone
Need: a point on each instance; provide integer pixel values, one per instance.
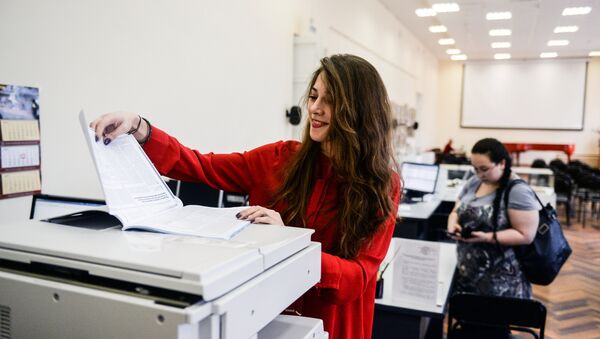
(449, 235)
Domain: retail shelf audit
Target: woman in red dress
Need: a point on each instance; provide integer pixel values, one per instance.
(341, 181)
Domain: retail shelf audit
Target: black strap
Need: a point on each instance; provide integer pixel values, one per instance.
(506, 193)
(510, 185)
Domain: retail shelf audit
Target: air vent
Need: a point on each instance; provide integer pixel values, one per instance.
(4, 322)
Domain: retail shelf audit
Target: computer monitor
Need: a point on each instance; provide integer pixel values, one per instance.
(45, 206)
(456, 174)
(419, 179)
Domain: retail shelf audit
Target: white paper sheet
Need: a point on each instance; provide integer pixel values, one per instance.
(416, 272)
(137, 195)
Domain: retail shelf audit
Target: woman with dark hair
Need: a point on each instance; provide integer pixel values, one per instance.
(486, 260)
(341, 181)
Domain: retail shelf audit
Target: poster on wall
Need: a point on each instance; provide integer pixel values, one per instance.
(19, 102)
(19, 141)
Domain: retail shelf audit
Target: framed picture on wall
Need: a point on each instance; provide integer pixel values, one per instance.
(19, 102)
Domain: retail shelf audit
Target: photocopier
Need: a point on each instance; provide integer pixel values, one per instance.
(60, 281)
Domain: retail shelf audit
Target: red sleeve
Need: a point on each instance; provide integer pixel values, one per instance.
(343, 280)
(235, 172)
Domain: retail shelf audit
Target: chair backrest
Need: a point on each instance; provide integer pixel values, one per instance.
(539, 163)
(557, 164)
(563, 184)
(234, 199)
(490, 312)
(193, 193)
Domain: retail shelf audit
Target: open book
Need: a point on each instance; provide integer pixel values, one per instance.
(137, 195)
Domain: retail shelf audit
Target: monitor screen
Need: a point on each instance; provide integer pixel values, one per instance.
(419, 177)
(45, 206)
(456, 174)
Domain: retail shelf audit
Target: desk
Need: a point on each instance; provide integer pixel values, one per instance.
(413, 219)
(398, 318)
(518, 148)
(420, 210)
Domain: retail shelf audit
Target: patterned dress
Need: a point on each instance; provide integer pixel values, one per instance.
(484, 268)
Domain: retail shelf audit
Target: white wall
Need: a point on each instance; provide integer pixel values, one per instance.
(218, 75)
(448, 119)
(368, 29)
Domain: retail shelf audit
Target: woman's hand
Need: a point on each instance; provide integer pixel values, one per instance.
(260, 215)
(478, 236)
(453, 231)
(111, 125)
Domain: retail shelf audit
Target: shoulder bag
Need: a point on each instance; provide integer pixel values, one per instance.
(542, 259)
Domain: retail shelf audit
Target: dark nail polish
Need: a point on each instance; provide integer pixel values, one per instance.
(107, 141)
(238, 215)
(96, 137)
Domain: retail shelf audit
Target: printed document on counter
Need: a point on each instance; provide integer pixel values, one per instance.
(416, 272)
(137, 195)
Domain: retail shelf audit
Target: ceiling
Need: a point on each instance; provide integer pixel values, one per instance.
(532, 26)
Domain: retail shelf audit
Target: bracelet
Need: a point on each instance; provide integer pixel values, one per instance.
(133, 130)
(145, 140)
(495, 238)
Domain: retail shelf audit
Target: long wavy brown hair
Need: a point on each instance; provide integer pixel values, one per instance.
(360, 151)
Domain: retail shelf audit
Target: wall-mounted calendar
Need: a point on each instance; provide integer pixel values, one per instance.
(19, 141)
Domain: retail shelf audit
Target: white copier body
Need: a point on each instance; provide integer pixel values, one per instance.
(60, 281)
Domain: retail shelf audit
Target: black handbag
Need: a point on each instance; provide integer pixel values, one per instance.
(542, 259)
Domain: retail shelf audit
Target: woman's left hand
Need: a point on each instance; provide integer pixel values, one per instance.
(478, 236)
(260, 215)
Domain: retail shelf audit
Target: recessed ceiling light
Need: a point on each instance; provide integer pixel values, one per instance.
(558, 42)
(503, 44)
(594, 53)
(453, 51)
(458, 57)
(566, 29)
(498, 15)
(500, 32)
(438, 29)
(445, 42)
(548, 55)
(446, 7)
(577, 10)
(501, 56)
(423, 12)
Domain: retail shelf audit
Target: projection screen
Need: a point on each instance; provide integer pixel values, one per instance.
(529, 94)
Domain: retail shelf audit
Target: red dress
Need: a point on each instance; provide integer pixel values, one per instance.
(344, 298)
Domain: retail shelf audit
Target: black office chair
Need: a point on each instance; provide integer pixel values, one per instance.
(476, 316)
(193, 193)
(539, 163)
(564, 186)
